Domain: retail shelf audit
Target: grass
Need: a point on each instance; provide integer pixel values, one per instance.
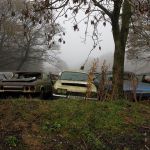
(73, 124)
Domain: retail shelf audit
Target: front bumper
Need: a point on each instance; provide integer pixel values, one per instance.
(17, 89)
(75, 95)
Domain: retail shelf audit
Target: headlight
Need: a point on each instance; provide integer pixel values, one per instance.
(61, 91)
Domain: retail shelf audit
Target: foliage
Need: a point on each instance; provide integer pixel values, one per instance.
(102, 92)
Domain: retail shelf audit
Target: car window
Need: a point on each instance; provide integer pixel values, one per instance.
(126, 76)
(2, 77)
(8, 75)
(74, 76)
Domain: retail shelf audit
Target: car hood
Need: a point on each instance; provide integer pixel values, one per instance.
(73, 86)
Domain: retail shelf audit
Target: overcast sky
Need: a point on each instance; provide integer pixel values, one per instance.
(75, 51)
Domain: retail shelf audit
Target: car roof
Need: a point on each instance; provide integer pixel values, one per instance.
(27, 72)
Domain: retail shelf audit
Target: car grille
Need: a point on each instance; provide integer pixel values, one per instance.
(74, 84)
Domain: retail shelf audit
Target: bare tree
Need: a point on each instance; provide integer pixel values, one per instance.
(27, 42)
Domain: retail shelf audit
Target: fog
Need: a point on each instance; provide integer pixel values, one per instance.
(75, 51)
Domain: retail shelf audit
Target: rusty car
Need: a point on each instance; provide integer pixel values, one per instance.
(27, 83)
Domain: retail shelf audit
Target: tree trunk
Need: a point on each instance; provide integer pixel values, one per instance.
(118, 66)
(24, 59)
(2, 42)
(120, 34)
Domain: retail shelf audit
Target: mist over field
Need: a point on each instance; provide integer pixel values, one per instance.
(132, 66)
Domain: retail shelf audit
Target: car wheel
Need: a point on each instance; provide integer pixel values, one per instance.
(50, 95)
(46, 95)
(42, 94)
(1, 96)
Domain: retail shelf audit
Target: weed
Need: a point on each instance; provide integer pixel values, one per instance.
(56, 126)
(11, 141)
(134, 83)
(91, 140)
(47, 126)
(102, 92)
(90, 79)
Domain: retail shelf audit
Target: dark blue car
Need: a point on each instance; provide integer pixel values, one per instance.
(141, 89)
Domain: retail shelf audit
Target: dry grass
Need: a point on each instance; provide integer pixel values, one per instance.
(103, 93)
(70, 124)
(91, 78)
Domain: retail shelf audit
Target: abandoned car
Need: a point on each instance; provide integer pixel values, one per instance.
(2, 77)
(142, 90)
(73, 84)
(29, 83)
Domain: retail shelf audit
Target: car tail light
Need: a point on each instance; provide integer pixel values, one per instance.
(32, 88)
(1, 88)
(26, 88)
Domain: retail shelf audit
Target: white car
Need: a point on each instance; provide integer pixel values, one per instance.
(73, 84)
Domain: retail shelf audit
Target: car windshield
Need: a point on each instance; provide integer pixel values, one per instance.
(74, 76)
(126, 76)
(22, 75)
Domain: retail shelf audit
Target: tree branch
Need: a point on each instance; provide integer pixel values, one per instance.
(102, 8)
(61, 6)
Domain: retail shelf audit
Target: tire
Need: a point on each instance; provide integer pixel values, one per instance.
(42, 94)
(45, 95)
